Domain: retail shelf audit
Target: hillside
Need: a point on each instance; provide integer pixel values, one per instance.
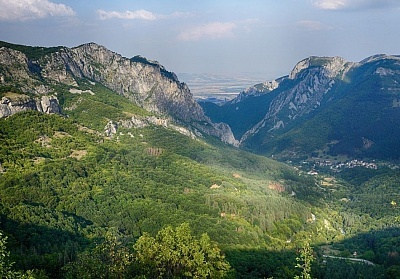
(326, 106)
(64, 185)
(38, 71)
(82, 163)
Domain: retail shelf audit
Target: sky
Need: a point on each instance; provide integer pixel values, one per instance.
(266, 37)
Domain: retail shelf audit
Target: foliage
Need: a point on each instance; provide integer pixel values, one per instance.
(55, 202)
(261, 263)
(54, 206)
(110, 259)
(96, 109)
(304, 261)
(175, 253)
(64, 187)
(33, 53)
(344, 269)
(6, 267)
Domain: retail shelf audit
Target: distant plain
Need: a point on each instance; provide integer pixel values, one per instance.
(223, 87)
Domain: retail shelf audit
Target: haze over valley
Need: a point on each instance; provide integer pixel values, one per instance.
(220, 88)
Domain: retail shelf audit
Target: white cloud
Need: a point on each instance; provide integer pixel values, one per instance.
(354, 4)
(139, 14)
(20, 10)
(330, 5)
(210, 30)
(313, 25)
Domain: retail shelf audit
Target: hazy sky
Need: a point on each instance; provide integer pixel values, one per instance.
(211, 36)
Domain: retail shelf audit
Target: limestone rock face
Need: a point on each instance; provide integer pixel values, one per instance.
(312, 87)
(225, 134)
(16, 68)
(16, 63)
(258, 90)
(10, 106)
(146, 83)
(15, 104)
(312, 79)
(110, 129)
(48, 104)
(220, 130)
(315, 76)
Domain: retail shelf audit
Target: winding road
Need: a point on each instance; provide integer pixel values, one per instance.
(350, 259)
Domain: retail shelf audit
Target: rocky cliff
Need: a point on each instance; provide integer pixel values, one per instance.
(325, 105)
(14, 103)
(144, 82)
(311, 80)
(258, 90)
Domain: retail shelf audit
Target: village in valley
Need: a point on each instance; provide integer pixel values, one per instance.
(315, 165)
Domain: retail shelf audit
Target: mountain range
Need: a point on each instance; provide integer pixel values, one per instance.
(326, 105)
(98, 150)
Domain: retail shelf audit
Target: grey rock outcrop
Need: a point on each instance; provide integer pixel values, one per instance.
(144, 82)
(257, 90)
(144, 121)
(16, 68)
(19, 103)
(48, 104)
(313, 78)
(110, 129)
(225, 133)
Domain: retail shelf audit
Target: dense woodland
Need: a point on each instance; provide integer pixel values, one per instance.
(77, 204)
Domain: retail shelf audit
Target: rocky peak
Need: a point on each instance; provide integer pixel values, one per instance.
(312, 78)
(96, 52)
(378, 57)
(331, 66)
(10, 57)
(258, 90)
(17, 68)
(300, 66)
(163, 71)
(145, 82)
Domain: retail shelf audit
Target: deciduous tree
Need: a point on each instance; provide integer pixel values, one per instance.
(175, 253)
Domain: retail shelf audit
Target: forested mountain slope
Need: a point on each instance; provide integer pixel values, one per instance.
(82, 181)
(326, 104)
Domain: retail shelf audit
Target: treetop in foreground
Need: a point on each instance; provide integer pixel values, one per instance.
(176, 253)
